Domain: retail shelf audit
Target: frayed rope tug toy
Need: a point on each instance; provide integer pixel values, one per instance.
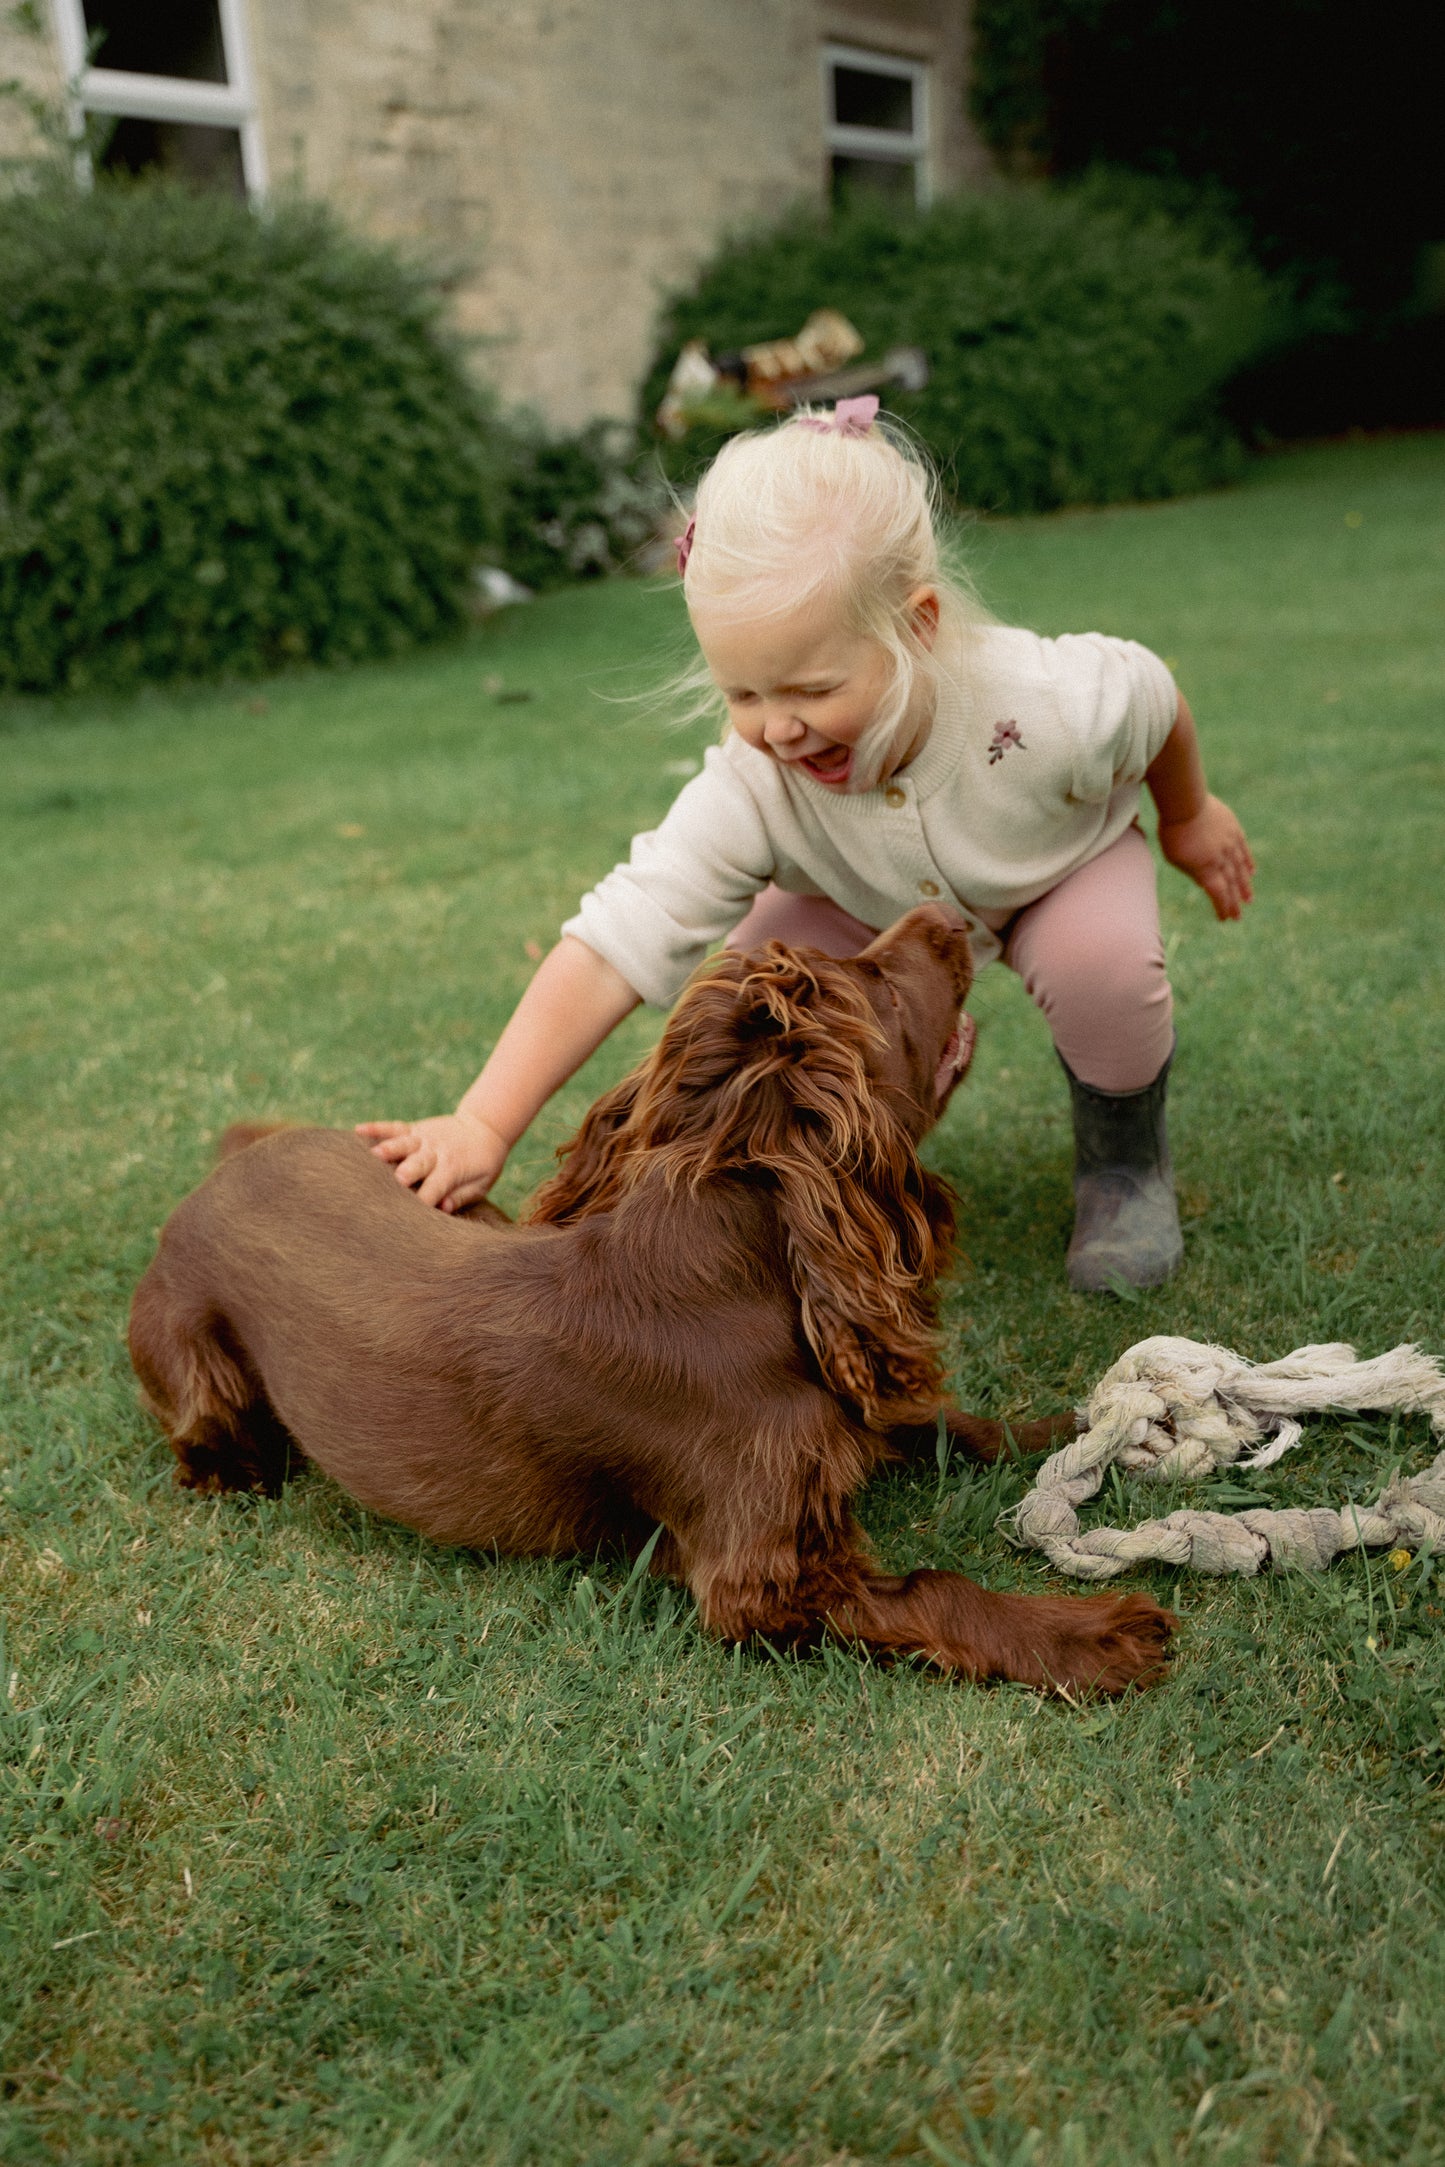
(1175, 1410)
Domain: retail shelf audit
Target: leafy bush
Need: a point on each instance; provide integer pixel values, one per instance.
(1079, 340)
(227, 441)
(1326, 147)
(577, 506)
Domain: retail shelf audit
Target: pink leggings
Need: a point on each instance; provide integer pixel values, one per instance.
(1088, 952)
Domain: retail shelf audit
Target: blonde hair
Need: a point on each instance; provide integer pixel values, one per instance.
(850, 518)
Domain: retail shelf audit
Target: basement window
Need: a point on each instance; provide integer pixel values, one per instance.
(174, 76)
(875, 125)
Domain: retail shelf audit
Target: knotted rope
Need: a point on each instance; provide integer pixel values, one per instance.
(1174, 1410)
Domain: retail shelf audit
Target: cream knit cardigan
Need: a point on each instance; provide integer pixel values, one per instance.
(1032, 767)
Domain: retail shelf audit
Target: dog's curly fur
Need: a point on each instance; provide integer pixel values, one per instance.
(765, 1077)
(718, 1316)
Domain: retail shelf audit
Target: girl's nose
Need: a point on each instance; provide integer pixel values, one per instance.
(782, 728)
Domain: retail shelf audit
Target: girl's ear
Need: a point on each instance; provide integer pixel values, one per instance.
(923, 611)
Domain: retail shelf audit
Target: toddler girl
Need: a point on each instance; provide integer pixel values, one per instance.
(887, 745)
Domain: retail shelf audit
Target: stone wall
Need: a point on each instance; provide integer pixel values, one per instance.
(569, 160)
(33, 63)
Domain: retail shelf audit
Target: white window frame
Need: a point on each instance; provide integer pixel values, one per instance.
(895, 146)
(128, 96)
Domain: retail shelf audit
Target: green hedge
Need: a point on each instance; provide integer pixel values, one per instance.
(578, 506)
(1079, 340)
(227, 441)
(1325, 146)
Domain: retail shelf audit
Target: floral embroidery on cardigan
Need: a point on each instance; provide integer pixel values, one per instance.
(1006, 734)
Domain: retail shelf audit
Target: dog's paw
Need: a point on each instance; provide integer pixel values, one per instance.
(1109, 1643)
(202, 1475)
(219, 1469)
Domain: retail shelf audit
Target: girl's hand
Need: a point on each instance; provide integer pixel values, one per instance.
(449, 1159)
(1212, 850)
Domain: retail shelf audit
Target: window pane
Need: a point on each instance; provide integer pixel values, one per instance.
(203, 157)
(862, 99)
(159, 37)
(893, 179)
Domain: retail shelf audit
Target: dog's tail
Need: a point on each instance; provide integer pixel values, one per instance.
(242, 1133)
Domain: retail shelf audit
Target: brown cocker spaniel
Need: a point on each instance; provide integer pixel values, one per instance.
(718, 1316)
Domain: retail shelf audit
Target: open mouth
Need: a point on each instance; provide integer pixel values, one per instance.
(956, 1056)
(833, 766)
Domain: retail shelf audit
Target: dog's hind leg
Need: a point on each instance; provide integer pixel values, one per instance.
(222, 1428)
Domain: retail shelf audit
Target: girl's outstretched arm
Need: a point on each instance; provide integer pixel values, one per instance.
(573, 1002)
(1198, 832)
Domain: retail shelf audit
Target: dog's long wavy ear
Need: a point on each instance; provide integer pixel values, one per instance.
(867, 1228)
(763, 1070)
(595, 1164)
(864, 1255)
(674, 1116)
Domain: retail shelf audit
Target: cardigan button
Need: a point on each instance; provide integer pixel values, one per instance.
(895, 796)
(929, 887)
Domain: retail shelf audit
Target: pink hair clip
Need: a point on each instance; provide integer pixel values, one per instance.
(850, 417)
(684, 546)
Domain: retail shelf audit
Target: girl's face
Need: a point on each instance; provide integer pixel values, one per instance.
(805, 688)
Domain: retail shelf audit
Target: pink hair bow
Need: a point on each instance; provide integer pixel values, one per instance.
(850, 417)
(684, 546)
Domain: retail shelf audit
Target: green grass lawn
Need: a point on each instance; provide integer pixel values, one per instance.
(321, 1843)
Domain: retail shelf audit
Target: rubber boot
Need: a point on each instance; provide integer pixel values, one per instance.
(1126, 1222)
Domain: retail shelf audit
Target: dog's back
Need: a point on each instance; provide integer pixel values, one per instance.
(242, 1134)
(301, 1294)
